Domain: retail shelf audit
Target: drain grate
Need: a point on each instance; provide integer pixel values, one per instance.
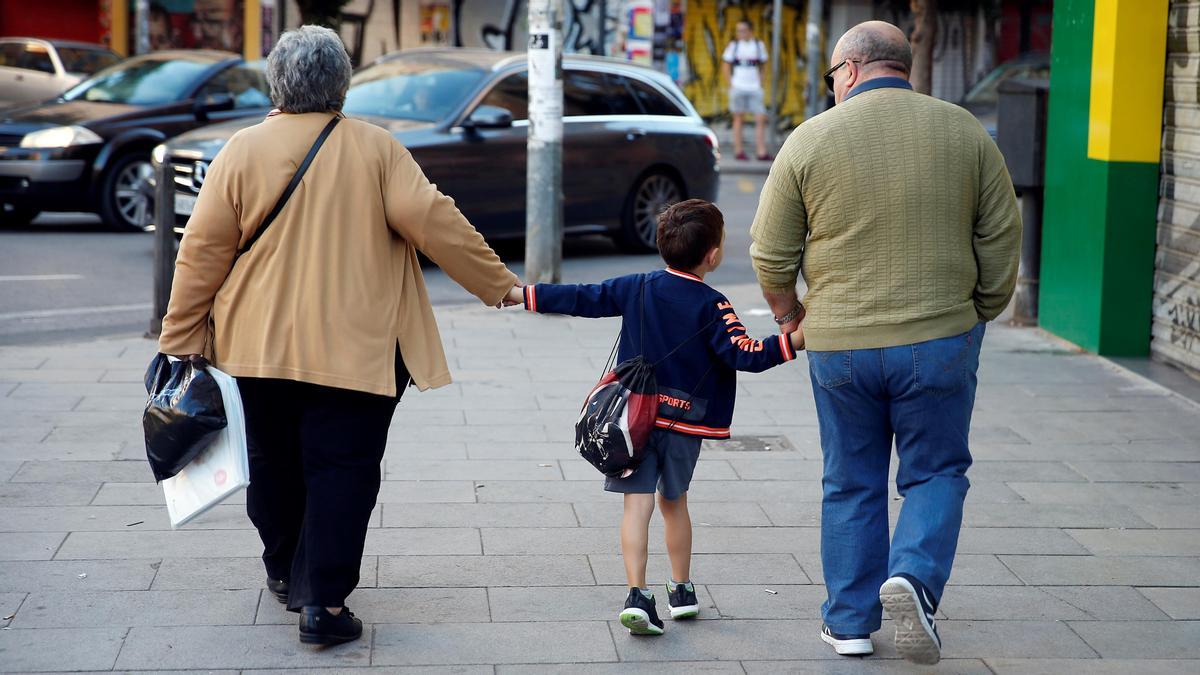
(753, 444)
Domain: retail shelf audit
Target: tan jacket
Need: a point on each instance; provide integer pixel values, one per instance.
(334, 283)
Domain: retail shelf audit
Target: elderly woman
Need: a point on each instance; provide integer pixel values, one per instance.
(324, 320)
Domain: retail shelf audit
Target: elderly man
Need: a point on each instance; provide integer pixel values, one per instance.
(900, 211)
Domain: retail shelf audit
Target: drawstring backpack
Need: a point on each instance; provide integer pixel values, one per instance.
(618, 415)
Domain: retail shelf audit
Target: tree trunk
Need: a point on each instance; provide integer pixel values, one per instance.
(923, 37)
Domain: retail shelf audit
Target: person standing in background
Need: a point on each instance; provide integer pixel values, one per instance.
(744, 61)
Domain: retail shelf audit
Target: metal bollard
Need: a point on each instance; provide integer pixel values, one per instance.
(164, 243)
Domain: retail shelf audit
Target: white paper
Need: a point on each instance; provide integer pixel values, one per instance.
(219, 471)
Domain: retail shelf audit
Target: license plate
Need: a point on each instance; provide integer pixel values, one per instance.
(184, 203)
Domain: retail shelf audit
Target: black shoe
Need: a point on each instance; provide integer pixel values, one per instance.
(911, 606)
(847, 645)
(682, 601)
(319, 627)
(640, 615)
(279, 588)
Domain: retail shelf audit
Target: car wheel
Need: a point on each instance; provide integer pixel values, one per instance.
(123, 203)
(652, 194)
(11, 216)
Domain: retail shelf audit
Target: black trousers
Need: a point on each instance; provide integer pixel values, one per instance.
(314, 478)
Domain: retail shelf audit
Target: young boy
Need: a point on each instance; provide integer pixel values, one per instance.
(698, 344)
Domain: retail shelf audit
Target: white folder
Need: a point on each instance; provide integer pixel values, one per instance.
(219, 471)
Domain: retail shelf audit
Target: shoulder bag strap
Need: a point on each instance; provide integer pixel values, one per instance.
(291, 186)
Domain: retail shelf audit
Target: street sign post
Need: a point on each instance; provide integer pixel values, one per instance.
(543, 173)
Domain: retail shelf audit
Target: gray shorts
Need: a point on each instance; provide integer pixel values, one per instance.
(667, 468)
(746, 101)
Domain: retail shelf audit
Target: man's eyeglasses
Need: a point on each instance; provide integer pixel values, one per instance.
(829, 73)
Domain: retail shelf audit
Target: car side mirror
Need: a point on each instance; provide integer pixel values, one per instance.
(488, 117)
(213, 103)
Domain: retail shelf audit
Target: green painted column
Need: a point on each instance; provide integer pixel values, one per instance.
(1103, 142)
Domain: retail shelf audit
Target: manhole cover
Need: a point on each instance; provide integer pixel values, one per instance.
(754, 444)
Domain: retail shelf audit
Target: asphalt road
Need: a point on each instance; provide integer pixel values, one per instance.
(64, 278)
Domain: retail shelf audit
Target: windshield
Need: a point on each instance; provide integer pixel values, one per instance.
(409, 89)
(86, 61)
(148, 81)
(988, 89)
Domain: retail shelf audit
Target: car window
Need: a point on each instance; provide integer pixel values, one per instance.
(247, 85)
(512, 94)
(36, 57)
(411, 89)
(585, 93)
(84, 60)
(653, 103)
(620, 97)
(142, 81)
(10, 54)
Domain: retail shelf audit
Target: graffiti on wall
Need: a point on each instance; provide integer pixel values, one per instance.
(709, 26)
(500, 24)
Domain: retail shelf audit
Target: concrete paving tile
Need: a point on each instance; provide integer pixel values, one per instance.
(18, 359)
(105, 389)
(711, 568)
(63, 649)
(410, 451)
(969, 570)
(77, 451)
(704, 514)
(992, 639)
(397, 605)
(9, 602)
(8, 468)
(77, 575)
(728, 640)
(1178, 603)
(1054, 515)
(1094, 666)
(1029, 540)
(1108, 603)
(494, 643)
(401, 670)
(995, 433)
(109, 403)
(230, 574)
(405, 418)
(72, 609)
(143, 494)
(1141, 639)
(550, 450)
(471, 469)
(990, 492)
(580, 603)
(52, 375)
(27, 433)
(623, 668)
(195, 647)
(1008, 471)
(468, 571)
(754, 602)
(1140, 542)
(431, 433)
(124, 375)
(1103, 571)
(1003, 603)
(867, 666)
(131, 434)
(57, 471)
(776, 469)
(423, 541)
(502, 419)
(578, 469)
(1169, 516)
(509, 541)
(1105, 493)
(42, 403)
(29, 545)
(422, 492)
(593, 490)
(1162, 451)
(1058, 452)
(476, 515)
(1141, 471)
(176, 544)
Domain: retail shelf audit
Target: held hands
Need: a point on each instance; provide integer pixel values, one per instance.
(515, 296)
(797, 337)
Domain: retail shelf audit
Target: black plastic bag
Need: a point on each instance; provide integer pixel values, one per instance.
(614, 427)
(183, 416)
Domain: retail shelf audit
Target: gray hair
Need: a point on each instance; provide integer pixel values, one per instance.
(878, 42)
(309, 71)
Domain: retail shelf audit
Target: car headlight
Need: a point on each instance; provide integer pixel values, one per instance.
(60, 137)
(159, 154)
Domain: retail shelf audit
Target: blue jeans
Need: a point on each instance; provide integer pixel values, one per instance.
(921, 395)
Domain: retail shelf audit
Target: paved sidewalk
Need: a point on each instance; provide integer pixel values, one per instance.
(494, 548)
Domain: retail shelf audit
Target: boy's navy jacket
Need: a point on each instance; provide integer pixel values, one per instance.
(680, 310)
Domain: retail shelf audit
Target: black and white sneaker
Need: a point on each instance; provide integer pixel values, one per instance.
(682, 601)
(911, 607)
(848, 645)
(640, 615)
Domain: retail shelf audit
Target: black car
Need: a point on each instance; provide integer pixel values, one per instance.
(89, 150)
(632, 143)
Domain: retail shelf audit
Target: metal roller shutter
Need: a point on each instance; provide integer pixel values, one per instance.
(1175, 336)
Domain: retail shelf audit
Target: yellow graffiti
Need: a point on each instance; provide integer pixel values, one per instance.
(710, 25)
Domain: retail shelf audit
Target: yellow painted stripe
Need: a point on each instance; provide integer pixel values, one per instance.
(1129, 47)
(252, 40)
(118, 26)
